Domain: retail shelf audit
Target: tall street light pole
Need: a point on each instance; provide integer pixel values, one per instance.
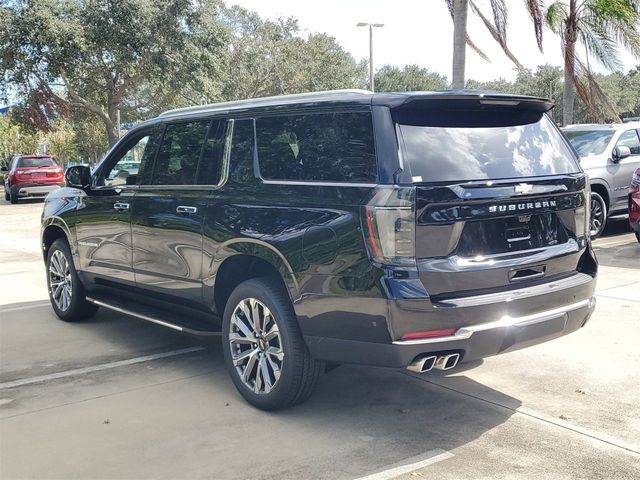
(371, 27)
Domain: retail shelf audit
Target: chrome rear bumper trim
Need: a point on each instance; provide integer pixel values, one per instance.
(464, 333)
(516, 294)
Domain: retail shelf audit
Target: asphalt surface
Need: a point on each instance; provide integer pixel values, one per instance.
(118, 398)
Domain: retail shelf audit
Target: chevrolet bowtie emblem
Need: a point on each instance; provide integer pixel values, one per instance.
(523, 188)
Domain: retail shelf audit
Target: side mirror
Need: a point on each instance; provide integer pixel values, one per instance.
(620, 152)
(4, 168)
(78, 176)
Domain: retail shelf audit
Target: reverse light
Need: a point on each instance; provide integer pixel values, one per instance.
(389, 226)
(445, 332)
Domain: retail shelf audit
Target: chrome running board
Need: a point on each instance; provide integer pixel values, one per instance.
(153, 319)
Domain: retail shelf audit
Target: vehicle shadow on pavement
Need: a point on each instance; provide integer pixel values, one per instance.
(359, 420)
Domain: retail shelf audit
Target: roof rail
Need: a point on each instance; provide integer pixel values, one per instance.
(260, 100)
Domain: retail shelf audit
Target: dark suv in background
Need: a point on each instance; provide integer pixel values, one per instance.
(407, 230)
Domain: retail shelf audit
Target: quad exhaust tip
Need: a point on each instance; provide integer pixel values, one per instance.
(423, 364)
(447, 362)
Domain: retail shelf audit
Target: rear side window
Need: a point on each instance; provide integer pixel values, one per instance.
(177, 160)
(630, 139)
(35, 162)
(475, 145)
(329, 147)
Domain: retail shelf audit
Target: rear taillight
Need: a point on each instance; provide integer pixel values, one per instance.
(635, 181)
(587, 211)
(445, 332)
(389, 226)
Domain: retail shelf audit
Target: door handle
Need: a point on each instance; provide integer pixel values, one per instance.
(120, 206)
(187, 210)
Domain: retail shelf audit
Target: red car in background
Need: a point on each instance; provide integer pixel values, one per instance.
(634, 203)
(31, 176)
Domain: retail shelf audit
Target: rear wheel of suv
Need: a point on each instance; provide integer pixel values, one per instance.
(598, 215)
(7, 197)
(264, 351)
(65, 290)
(638, 236)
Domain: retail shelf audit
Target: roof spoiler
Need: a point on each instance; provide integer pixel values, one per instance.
(468, 99)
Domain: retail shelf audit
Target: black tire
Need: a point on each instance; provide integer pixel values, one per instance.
(7, 196)
(598, 215)
(638, 236)
(299, 373)
(13, 196)
(77, 308)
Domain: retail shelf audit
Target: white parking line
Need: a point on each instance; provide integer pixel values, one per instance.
(602, 437)
(410, 465)
(614, 243)
(24, 307)
(97, 368)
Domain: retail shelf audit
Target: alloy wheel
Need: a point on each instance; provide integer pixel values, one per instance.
(256, 346)
(60, 281)
(597, 220)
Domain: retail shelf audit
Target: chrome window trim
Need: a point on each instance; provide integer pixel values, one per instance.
(311, 183)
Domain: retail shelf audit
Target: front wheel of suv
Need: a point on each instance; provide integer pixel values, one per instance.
(13, 196)
(65, 290)
(264, 351)
(598, 215)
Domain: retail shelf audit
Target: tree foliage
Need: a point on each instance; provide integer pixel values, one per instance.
(15, 139)
(97, 55)
(410, 78)
(131, 59)
(602, 27)
(273, 58)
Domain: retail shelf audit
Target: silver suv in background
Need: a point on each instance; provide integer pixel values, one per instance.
(609, 154)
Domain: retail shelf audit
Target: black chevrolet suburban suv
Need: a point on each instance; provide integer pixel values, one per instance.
(406, 230)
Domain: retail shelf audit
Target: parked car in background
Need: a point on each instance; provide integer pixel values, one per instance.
(405, 230)
(30, 176)
(634, 203)
(609, 154)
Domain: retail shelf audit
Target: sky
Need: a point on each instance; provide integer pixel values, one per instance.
(420, 32)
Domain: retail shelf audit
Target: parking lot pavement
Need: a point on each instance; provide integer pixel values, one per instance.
(115, 397)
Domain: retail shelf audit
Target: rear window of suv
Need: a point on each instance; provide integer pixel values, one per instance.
(475, 145)
(35, 162)
(322, 147)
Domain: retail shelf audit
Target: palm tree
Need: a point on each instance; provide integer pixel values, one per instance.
(600, 26)
(498, 29)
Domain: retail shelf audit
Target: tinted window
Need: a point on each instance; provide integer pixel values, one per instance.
(335, 147)
(589, 142)
(630, 139)
(133, 165)
(241, 153)
(459, 153)
(35, 162)
(177, 161)
(210, 170)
